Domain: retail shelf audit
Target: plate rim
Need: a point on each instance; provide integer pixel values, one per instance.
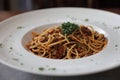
(29, 12)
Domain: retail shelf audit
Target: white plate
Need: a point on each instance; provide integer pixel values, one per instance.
(16, 30)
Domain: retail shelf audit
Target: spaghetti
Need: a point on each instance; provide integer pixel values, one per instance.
(52, 43)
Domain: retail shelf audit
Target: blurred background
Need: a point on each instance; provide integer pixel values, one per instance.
(10, 8)
(26, 5)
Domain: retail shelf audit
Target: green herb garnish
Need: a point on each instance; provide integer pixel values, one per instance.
(21, 63)
(116, 45)
(68, 28)
(116, 27)
(1, 45)
(104, 24)
(20, 54)
(11, 48)
(52, 69)
(15, 59)
(41, 68)
(86, 19)
(19, 27)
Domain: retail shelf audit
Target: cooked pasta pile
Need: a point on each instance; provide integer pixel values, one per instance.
(52, 43)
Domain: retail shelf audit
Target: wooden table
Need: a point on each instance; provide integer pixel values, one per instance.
(6, 14)
(114, 10)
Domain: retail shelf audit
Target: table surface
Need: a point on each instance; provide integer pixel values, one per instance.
(7, 73)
